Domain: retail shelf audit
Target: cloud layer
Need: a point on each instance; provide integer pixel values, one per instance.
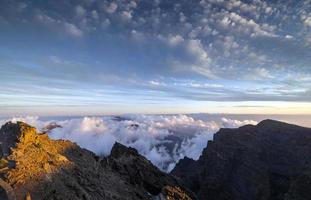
(163, 139)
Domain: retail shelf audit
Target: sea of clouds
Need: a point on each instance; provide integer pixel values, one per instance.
(163, 139)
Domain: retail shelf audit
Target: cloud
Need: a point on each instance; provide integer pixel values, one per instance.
(259, 73)
(95, 14)
(229, 41)
(163, 139)
(126, 15)
(111, 8)
(307, 21)
(195, 48)
(80, 11)
(247, 26)
(175, 40)
(73, 30)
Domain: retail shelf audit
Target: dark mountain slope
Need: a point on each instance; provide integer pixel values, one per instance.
(269, 161)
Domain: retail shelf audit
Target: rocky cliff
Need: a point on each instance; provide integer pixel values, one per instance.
(269, 161)
(35, 167)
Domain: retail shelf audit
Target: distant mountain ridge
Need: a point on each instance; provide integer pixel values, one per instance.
(269, 161)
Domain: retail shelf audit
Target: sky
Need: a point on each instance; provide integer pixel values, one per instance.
(92, 57)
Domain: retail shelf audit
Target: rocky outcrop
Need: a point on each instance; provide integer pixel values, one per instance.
(269, 161)
(12, 133)
(35, 167)
(51, 126)
(140, 172)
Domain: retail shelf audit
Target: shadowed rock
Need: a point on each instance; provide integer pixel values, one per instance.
(48, 128)
(269, 161)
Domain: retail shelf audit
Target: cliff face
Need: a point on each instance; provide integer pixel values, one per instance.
(269, 161)
(34, 166)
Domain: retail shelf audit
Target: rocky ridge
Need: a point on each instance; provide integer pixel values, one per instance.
(36, 167)
(269, 161)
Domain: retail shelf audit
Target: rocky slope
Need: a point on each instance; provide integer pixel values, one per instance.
(35, 167)
(269, 161)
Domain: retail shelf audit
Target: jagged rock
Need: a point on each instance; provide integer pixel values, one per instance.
(120, 118)
(11, 134)
(56, 169)
(139, 171)
(269, 161)
(48, 128)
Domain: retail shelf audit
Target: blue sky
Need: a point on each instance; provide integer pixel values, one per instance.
(155, 56)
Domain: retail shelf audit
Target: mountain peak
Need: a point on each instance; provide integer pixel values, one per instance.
(34, 166)
(13, 133)
(119, 150)
(268, 161)
(271, 122)
(270, 125)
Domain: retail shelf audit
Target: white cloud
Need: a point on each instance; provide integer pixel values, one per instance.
(80, 11)
(205, 71)
(154, 83)
(195, 52)
(59, 25)
(55, 59)
(105, 23)
(72, 29)
(95, 15)
(139, 36)
(307, 21)
(196, 48)
(132, 4)
(126, 15)
(111, 8)
(263, 72)
(258, 73)
(45, 19)
(289, 37)
(175, 40)
(163, 139)
(249, 27)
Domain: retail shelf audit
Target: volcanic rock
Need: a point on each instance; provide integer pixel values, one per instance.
(269, 161)
(35, 167)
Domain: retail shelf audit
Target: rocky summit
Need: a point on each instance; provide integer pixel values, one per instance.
(36, 167)
(269, 161)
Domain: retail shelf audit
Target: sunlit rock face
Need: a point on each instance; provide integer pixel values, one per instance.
(12, 133)
(271, 160)
(34, 166)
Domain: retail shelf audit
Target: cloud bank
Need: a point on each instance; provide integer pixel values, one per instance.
(163, 139)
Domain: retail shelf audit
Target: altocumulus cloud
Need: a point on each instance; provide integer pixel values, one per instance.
(163, 139)
(246, 44)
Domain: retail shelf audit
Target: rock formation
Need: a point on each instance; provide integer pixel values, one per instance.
(269, 161)
(35, 167)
